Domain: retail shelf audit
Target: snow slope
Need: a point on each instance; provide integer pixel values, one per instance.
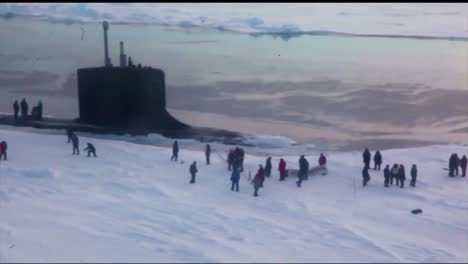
(131, 204)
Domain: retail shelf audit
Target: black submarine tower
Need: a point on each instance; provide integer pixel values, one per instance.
(124, 97)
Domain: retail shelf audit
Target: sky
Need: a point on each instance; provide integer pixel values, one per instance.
(423, 19)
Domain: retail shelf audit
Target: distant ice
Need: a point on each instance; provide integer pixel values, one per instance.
(424, 19)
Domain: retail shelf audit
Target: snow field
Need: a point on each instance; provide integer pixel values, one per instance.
(132, 204)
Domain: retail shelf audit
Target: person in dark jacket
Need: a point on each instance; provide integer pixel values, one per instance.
(24, 108)
(402, 176)
(230, 159)
(35, 113)
(193, 172)
(235, 177)
(453, 165)
(91, 150)
(377, 160)
(39, 110)
(241, 159)
(463, 165)
(258, 180)
(365, 176)
(3, 150)
(268, 167)
(414, 173)
(76, 144)
(282, 169)
(16, 109)
(207, 153)
(175, 150)
(236, 158)
(366, 157)
(394, 174)
(69, 134)
(387, 175)
(303, 168)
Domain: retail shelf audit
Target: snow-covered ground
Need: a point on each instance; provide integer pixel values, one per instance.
(131, 204)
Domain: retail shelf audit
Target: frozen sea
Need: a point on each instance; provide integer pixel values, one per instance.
(335, 92)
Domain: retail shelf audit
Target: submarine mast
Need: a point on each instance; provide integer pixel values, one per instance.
(107, 61)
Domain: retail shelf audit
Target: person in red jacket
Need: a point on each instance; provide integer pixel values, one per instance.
(322, 160)
(3, 150)
(282, 169)
(258, 180)
(323, 164)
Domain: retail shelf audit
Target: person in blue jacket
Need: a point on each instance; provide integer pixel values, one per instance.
(235, 177)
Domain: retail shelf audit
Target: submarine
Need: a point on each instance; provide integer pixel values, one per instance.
(125, 99)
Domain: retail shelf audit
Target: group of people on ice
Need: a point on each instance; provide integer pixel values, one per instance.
(36, 112)
(236, 159)
(396, 173)
(454, 163)
(235, 162)
(73, 138)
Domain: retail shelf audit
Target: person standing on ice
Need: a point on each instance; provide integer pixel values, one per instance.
(193, 172)
(453, 165)
(235, 157)
(76, 144)
(207, 153)
(414, 173)
(377, 160)
(241, 159)
(323, 164)
(366, 157)
(69, 134)
(16, 109)
(303, 168)
(268, 167)
(282, 169)
(39, 110)
(175, 150)
(3, 150)
(463, 165)
(24, 108)
(387, 175)
(238, 158)
(90, 148)
(456, 163)
(402, 176)
(365, 176)
(230, 159)
(235, 177)
(394, 174)
(258, 180)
